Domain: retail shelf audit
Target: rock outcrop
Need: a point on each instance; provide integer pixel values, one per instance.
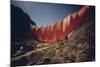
(20, 24)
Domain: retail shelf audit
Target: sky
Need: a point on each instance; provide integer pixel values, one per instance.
(45, 13)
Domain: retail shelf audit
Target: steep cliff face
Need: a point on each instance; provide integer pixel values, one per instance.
(20, 24)
(20, 28)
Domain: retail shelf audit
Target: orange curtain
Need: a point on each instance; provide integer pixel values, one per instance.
(61, 29)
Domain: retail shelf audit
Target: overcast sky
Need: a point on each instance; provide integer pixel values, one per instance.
(45, 13)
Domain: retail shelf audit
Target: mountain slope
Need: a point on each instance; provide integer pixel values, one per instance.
(79, 47)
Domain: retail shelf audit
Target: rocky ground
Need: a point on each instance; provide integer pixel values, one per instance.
(79, 47)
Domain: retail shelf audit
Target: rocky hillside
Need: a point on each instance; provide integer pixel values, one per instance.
(79, 47)
(20, 24)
